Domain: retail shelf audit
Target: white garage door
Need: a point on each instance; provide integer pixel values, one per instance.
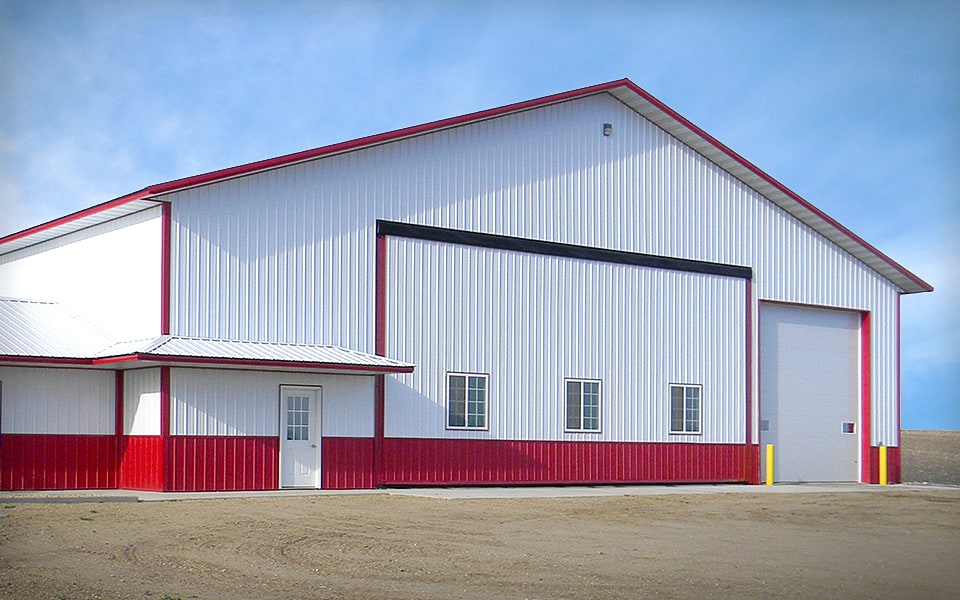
(810, 392)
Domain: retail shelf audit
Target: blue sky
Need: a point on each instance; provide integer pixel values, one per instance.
(853, 105)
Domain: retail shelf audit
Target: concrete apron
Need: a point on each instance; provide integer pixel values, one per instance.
(464, 493)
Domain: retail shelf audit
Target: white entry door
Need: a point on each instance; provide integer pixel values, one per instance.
(810, 392)
(299, 437)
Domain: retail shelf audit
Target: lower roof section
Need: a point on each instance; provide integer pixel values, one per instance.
(38, 333)
(239, 354)
(39, 328)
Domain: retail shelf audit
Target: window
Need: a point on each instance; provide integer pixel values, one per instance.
(466, 401)
(685, 408)
(298, 417)
(583, 405)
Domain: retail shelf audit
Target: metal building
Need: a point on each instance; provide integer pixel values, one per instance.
(580, 288)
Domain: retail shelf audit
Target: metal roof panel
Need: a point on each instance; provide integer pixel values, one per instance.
(35, 332)
(37, 328)
(200, 348)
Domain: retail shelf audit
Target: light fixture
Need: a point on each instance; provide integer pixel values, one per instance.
(607, 129)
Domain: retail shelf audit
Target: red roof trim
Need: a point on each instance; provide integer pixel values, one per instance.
(381, 138)
(45, 360)
(146, 357)
(202, 360)
(142, 194)
(771, 180)
(272, 163)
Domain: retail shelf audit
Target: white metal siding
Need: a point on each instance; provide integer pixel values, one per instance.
(109, 274)
(531, 321)
(141, 402)
(288, 254)
(57, 401)
(246, 403)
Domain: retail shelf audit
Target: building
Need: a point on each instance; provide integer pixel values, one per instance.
(581, 288)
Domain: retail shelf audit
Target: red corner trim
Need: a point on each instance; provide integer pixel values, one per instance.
(379, 398)
(166, 475)
(749, 436)
(118, 404)
(164, 402)
(896, 350)
(118, 417)
(865, 398)
(165, 255)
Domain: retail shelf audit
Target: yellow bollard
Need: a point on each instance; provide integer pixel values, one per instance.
(883, 465)
(769, 464)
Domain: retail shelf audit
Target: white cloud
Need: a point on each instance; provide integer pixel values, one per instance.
(931, 321)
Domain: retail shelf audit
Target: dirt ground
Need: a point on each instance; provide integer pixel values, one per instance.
(930, 457)
(889, 543)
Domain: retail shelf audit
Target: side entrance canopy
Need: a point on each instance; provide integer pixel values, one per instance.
(35, 333)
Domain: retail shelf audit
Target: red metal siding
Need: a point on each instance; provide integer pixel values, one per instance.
(348, 463)
(141, 463)
(412, 461)
(893, 465)
(57, 462)
(221, 463)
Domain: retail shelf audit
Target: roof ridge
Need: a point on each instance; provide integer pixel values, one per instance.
(261, 342)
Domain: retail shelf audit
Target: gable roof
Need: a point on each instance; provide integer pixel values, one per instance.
(179, 350)
(624, 90)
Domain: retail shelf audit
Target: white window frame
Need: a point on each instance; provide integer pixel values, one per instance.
(582, 418)
(686, 430)
(466, 414)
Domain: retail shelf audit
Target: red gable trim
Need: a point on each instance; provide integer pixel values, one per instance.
(280, 161)
(271, 163)
(769, 179)
(379, 138)
(142, 194)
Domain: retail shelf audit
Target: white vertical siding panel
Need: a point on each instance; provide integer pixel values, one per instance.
(531, 321)
(300, 256)
(141, 402)
(246, 403)
(57, 401)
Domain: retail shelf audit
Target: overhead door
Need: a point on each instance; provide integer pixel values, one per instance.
(810, 392)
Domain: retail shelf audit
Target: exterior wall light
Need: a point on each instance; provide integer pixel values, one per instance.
(607, 129)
